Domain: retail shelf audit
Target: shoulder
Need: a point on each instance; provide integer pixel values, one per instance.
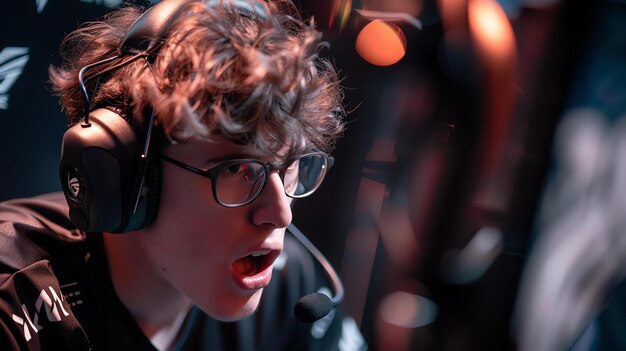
(31, 228)
(47, 212)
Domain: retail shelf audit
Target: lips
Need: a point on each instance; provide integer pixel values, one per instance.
(254, 271)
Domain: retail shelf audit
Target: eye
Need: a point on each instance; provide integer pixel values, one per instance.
(233, 169)
(247, 171)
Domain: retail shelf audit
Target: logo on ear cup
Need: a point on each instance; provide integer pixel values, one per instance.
(74, 185)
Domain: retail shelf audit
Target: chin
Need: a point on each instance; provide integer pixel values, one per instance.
(235, 308)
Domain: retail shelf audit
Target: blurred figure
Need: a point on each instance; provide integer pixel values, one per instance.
(573, 291)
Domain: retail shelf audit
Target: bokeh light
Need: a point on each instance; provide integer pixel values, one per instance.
(491, 30)
(340, 11)
(407, 310)
(381, 43)
(471, 262)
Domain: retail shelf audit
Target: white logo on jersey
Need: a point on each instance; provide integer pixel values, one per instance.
(52, 305)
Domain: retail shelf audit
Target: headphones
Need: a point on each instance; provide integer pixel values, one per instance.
(110, 180)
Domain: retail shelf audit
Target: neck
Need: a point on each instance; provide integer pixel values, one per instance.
(157, 306)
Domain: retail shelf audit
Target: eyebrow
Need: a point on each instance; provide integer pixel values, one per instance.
(227, 157)
(230, 157)
(214, 161)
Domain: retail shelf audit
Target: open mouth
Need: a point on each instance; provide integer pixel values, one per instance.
(255, 263)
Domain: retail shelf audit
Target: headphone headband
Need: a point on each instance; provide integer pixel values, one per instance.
(149, 31)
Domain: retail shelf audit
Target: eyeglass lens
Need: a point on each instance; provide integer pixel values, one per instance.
(239, 182)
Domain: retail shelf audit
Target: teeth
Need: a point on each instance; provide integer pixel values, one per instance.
(260, 253)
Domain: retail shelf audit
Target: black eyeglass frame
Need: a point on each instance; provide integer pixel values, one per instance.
(212, 173)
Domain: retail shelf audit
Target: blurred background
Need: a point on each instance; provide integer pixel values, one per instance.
(478, 196)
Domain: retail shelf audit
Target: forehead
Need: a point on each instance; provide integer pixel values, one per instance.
(202, 151)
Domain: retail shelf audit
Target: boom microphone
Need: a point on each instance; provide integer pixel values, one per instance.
(315, 306)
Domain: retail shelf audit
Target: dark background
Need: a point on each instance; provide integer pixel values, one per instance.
(411, 161)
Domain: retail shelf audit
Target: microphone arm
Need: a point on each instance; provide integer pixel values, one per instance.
(308, 307)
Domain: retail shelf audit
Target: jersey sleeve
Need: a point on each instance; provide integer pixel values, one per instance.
(34, 313)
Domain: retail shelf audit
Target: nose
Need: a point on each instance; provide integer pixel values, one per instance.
(273, 206)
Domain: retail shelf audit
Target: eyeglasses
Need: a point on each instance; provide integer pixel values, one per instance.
(238, 182)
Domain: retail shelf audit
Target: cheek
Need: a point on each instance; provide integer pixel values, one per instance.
(184, 189)
(186, 203)
(200, 270)
(194, 263)
(181, 235)
(192, 243)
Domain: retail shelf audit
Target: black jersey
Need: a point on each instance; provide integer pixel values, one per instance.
(56, 294)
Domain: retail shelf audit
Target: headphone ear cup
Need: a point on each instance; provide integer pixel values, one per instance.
(98, 170)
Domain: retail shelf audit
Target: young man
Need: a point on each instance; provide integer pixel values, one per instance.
(194, 126)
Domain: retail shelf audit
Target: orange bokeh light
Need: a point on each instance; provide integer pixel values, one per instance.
(491, 30)
(380, 43)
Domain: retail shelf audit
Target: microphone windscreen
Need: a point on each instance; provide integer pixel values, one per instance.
(312, 307)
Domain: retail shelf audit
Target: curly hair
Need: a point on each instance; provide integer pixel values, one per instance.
(260, 83)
